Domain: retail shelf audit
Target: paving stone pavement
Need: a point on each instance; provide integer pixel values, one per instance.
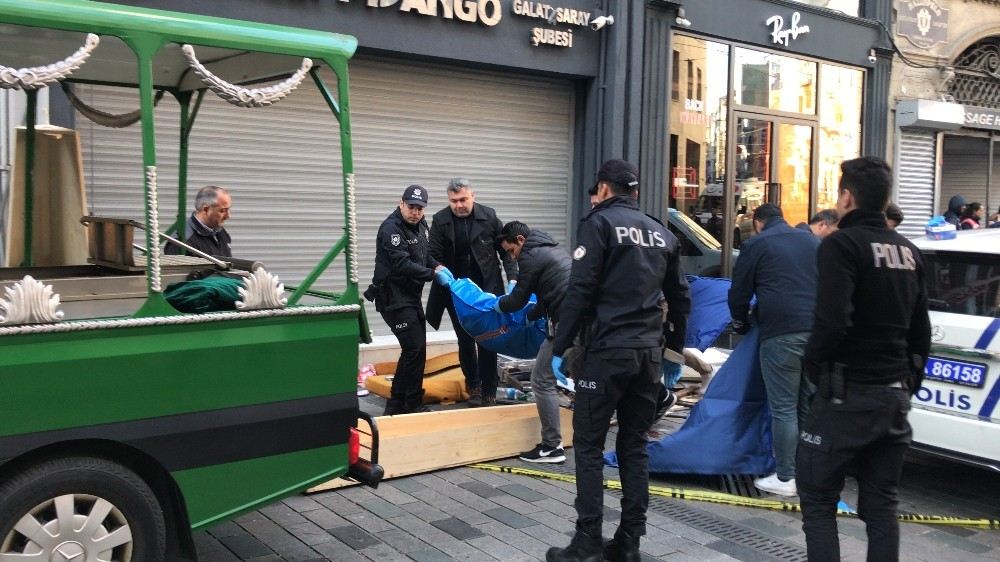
(473, 515)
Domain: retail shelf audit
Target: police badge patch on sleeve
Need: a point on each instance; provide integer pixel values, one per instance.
(395, 239)
(579, 252)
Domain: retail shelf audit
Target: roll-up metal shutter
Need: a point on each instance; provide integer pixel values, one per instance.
(511, 136)
(916, 171)
(964, 170)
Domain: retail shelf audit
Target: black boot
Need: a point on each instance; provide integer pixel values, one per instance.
(583, 548)
(622, 548)
(414, 403)
(395, 405)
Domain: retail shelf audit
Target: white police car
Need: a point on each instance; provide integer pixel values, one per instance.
(955, 414)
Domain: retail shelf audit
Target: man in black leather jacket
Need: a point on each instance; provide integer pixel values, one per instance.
(464, 239)
(543, 269)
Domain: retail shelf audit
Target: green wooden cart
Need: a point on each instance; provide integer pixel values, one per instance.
(115, 439)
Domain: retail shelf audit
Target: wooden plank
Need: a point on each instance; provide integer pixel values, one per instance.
(416, 443)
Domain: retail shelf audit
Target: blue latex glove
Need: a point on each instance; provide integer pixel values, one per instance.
(510, 286)
(557, 363)
(496, 306)
(444, 277)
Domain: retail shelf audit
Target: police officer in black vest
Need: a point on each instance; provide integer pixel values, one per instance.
(402, 265)
(626, 262)
(866, 355)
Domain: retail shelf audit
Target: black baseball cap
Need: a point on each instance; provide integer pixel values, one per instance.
(415, 195)
(619, 172)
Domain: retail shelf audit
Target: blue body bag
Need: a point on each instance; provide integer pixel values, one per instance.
(508, 333)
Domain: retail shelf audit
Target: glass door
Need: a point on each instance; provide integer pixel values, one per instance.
(773, 164)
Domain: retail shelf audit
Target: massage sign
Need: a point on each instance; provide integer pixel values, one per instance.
(554, 16)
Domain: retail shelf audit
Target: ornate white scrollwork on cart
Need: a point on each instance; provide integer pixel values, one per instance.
(246, 97)
(29, 302)
(35, 77)
(261, 290)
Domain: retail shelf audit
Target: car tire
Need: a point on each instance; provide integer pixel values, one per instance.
(81, 506)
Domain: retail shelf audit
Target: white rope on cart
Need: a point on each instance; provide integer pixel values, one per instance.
(154, 223)
(35, 77)
(82, 325)
(246, 97)
(352, 228)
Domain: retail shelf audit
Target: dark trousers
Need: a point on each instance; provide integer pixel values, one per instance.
(626, 381)
(407, 324)
(869, 430)
(479, 365)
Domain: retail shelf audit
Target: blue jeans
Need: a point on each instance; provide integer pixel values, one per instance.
(788, 394)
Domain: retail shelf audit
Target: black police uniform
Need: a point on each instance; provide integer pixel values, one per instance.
(871, 317)
(402, 265)
(625, 263)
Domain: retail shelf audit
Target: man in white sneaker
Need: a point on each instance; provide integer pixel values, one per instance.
(543, 269)
(778, 265)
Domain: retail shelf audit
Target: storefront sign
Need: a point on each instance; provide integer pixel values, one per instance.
(553, 15)
(693, 118)
(554, 37)
(923, 22)
(982, 118)
(550, 13)
(487, 12)
(782, 36)
(694, 105)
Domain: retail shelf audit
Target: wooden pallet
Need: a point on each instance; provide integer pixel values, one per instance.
(416, 443)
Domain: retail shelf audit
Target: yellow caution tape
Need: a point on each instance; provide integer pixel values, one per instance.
(731, 499)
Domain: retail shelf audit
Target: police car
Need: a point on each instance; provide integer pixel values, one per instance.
(955, 413)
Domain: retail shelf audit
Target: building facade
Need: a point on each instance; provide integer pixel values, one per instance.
(946, 96)
(724, 104)
(761, 103)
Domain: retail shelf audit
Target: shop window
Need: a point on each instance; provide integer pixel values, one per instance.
(840, 128)
(849, 7)
(675, 80)
(775, 81)
(690, 79)
(698, 128)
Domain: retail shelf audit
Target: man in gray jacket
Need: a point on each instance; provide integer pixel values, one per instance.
(543, 269)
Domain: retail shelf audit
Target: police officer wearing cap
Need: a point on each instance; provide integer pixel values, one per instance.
(866, 354)
(402, 265)
(626, 262)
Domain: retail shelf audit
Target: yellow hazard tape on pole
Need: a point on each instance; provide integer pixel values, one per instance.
(731, 499)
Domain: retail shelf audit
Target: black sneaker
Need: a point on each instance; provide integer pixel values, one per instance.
(665, 403)
(541, 453)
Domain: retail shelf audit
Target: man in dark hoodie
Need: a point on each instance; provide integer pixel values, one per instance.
(543, 268)
(779, 267)
(955, 207)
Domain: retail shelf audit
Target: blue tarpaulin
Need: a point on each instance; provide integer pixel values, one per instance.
(729, 430)
(709, 311)
(509, 333)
